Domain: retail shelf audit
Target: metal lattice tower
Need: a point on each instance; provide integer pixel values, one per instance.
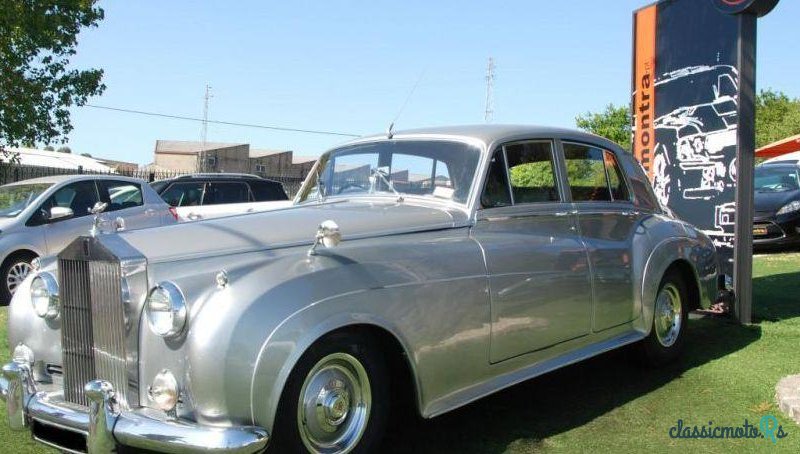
(208, 95)
(489, 112)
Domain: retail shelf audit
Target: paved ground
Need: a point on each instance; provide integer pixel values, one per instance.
(787, 393)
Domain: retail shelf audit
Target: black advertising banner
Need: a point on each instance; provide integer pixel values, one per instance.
(686, 91)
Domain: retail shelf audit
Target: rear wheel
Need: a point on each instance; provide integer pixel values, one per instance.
(336, 399)
(14, 270)
(670, 315)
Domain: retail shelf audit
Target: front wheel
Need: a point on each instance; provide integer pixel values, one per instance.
(15, 269)
(336, 399)
(670, 316)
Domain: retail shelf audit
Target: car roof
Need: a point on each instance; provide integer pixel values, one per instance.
(493, 133)
(58, 179)
(217, 176)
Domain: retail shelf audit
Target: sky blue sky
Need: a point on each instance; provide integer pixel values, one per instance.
(349, 65)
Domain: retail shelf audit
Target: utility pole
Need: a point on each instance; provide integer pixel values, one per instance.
(487, 116)
(202, 163)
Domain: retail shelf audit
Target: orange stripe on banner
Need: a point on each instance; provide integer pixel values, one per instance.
(644, 86)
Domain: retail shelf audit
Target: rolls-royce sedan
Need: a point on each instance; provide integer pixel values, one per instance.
(441, 264)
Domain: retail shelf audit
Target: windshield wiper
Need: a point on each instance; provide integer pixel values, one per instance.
(381, 172)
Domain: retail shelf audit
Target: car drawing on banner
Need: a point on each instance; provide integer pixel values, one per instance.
(431, 267)
(694, 158)
(40, 216)
(209, 195)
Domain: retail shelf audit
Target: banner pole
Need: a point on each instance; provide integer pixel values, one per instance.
(745, 164)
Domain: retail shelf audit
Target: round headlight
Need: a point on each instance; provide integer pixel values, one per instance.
(166, 310)
(44, 295)
(164, 390)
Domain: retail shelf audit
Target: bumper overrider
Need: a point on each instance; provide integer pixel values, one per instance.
(105, 427)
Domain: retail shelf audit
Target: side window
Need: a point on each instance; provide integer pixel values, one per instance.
(80, 197)
(586, 173)
(264, 191)
(532, 172)
(495, 192)
(616, 179)
(120, 195)
(220, 193)
(184, 194)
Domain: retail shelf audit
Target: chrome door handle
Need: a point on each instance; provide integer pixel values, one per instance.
(194, 216)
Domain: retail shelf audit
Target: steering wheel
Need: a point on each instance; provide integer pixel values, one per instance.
(350, 187)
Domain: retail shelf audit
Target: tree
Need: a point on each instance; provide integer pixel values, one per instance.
(777, 117)
(88, 155)
(67, 150)
(37, 85)
(49, 148)
(614, 123)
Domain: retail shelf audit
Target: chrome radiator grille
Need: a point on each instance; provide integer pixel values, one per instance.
(92, 327)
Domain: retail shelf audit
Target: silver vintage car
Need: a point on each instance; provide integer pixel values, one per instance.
(441, 264)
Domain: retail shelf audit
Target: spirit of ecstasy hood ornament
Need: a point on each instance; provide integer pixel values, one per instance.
(96, 210)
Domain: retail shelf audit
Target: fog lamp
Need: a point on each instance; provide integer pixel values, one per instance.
(23, 355)
(44, 295)
(164, 390)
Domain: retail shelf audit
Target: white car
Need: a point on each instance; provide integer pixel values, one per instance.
(41, 216)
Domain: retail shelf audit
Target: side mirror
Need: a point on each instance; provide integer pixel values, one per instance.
(60, 213)
(328, 235)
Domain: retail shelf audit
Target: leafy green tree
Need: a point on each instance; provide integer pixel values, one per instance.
(777, 117)
(614, 123)
(37, 84)
(66, 150)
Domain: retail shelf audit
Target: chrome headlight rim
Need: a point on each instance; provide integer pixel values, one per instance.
(177, 310)
(51, 308)
(790, 207)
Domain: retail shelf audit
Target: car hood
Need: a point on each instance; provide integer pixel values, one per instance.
(771, 202)
(293, 226)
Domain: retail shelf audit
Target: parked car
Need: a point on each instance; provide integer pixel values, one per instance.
(41, 216)
(777, 204)
(440, 264)
(209, 195)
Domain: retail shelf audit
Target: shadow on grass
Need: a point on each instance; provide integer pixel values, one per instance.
(562, 400)
(776, 297)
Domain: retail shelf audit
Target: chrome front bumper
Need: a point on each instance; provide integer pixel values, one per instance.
(105, 426)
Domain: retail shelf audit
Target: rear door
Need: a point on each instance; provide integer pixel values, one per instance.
(223, 192)
(539, 280)
(125, 200)
(607, 219)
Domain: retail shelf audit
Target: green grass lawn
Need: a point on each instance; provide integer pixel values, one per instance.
(609, 404)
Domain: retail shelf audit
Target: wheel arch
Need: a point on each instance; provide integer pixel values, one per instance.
(269, 381)
(698, 270)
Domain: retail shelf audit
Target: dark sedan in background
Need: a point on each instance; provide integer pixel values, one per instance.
(777, 205)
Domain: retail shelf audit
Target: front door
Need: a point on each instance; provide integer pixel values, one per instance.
(538, 275)
(80, 197)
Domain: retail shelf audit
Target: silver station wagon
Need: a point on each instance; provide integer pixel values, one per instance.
(444, 264)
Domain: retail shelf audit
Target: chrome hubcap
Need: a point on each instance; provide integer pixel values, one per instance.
(334, 405)
(16, 274)
(668, 315)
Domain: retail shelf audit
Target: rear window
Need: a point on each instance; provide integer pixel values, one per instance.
(264, 191)
(120, 195)
(184, 194)
(218, 193)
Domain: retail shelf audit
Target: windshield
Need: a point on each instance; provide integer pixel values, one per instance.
(776, 179)
(14, 199)
(426, 168)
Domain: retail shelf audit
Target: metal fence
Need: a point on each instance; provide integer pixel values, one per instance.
(15, 172)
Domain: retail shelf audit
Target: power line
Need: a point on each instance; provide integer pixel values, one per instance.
(489, 112)
(227, 123)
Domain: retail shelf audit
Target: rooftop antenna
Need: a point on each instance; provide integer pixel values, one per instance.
(208, 95)
(489, 112)
(390, 129)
